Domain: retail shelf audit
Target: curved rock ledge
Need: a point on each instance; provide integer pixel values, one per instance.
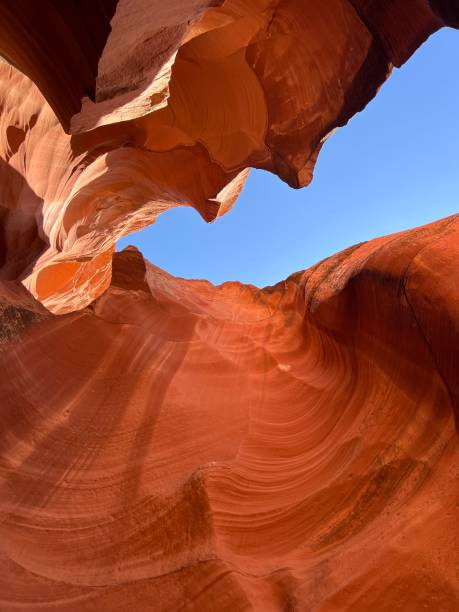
(169, 104)
(171, 445)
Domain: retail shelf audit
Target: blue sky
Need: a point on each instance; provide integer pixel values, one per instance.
(393, 167)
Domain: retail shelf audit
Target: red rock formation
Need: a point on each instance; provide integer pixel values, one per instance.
(182, 99)
(177, 444)
(171, 445)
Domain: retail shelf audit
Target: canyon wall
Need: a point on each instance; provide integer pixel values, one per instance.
(171, 445)
(136, 108)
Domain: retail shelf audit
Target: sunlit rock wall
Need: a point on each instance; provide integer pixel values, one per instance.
(170, 445)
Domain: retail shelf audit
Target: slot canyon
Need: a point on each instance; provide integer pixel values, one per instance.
(171, 445)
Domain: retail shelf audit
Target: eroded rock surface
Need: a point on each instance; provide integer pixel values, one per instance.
(179, 445)
(170, 445)
(149, 105)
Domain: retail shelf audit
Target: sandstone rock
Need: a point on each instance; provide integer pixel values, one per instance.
(228, 448)
(171, 445)
(169, 104)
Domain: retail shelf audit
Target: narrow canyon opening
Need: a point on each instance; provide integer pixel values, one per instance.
(391, 168)
(170, 445)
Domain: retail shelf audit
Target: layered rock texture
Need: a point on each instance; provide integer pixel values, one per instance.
(170, 445)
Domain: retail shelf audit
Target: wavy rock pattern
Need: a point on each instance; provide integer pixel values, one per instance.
(181, 99)
(230, 448)
(170, 445)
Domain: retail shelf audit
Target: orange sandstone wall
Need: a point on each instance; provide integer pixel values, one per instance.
(179, 445)
(170, 445)
(139, 106)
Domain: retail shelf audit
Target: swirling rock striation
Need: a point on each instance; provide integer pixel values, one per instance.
(177, 445)
(169, 104)
(171, 445)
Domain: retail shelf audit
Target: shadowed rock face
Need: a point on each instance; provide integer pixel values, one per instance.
(170, 445)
